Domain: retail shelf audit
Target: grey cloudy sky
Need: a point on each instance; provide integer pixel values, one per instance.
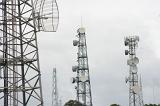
(106, 23)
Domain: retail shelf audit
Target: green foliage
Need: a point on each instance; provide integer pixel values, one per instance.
(73, 103)
(152, 105)
(114, 105)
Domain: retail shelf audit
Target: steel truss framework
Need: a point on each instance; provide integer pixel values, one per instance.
(83, 78)
(135, 90)
(20, 83)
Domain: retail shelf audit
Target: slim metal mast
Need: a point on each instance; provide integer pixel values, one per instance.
(54, 92)
(141, 92)
(20, 83)
(83, 79)
(134, 87)
(60, 102)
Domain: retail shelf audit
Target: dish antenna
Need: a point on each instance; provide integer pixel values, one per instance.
(81, 30)
(136, 89)
(83, 78)
(74, 68)
(47, 15)
(75, 42)
(135, 60)
(74, 80)
(132, 62)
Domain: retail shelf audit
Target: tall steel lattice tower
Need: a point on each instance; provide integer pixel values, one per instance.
(20, 77)
(54, 92)
(83, 79)
(135, 98)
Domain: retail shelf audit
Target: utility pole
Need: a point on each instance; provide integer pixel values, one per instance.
(134, 87)
(83, 87)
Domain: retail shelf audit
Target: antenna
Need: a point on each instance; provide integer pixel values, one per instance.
(81, 21)
(82, 79)
(153, 90)
(60, 102)
(135, 90)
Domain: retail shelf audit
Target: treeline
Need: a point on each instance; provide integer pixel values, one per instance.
(152, 105)
(73, 103)
(114, 105)
(76, 103)
(144, 105)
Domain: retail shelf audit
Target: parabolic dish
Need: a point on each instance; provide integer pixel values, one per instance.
(136, 60)
(133, 61)
(81, 30)
(136, 89)
(75, 42)
(74, 68)
(83, 78)
(48, 14)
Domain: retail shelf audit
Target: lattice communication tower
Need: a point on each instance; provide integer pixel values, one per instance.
(135, 90)
(20, 77)
(83, 87)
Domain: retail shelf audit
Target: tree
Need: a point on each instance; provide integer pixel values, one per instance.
(151, 105)
(114, 105)
(73, 103)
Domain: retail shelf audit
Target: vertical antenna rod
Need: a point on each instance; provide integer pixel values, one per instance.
(134, 88)
(83, 79)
